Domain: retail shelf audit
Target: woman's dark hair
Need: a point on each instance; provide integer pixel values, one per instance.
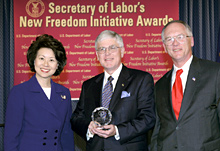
(47, 41)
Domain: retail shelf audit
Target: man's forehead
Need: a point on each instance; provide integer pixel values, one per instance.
(174, 29)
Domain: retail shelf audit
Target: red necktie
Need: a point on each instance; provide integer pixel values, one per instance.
(177, 93)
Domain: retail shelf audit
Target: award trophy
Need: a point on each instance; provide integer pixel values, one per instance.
(101, 116)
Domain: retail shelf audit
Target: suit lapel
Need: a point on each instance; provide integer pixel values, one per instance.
(123, 81)
(190, 88)
(42, 99)
(167, 90)
(97, 90)
(56, 98)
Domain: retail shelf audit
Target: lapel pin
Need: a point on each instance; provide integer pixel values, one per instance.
(63, 97)
(194, 79)
(123, 84)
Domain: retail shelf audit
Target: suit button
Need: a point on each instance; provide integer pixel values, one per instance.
(56, 131)
(44, 143)
(45, 131)
(55, 144)
(55, 137)
(45, 138)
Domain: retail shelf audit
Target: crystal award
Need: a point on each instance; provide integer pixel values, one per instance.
(101, 116)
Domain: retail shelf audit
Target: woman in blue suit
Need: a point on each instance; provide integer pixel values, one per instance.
(38, 111)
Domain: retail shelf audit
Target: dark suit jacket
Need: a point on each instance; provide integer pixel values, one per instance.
(34, 123)
(198, 126)
(133, 115)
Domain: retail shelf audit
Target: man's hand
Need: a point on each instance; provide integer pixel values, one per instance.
(104, 131)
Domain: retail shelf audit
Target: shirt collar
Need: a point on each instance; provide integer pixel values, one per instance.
(115, 75)
(185, 67)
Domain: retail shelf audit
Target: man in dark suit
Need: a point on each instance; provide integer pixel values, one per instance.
(187, 106)
(131, 104)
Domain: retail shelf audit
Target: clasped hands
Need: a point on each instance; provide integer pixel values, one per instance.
(103, 131)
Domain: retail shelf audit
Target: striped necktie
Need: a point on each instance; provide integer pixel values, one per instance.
(107, 92)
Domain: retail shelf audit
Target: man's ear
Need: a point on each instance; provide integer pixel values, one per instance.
(97, 55)
(164, 47)
(122, 52)
(192, 41)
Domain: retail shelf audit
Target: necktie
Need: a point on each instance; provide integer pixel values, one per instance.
(107, 93)
(177, 93)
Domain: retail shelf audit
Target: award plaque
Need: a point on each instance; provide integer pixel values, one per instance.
(101, 116)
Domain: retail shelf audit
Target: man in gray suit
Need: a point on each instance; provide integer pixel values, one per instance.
(187, 114)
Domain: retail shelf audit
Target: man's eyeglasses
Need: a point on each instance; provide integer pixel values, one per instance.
(180, 38)
(111, 49)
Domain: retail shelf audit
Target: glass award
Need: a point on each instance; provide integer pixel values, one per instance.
(101, 116)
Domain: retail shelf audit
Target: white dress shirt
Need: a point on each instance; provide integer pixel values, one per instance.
(115, 76)
(47, 91)
(184, 75)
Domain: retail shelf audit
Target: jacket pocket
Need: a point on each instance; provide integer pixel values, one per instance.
(212, 145)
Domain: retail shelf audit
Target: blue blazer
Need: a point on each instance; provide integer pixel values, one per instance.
(34, 123)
